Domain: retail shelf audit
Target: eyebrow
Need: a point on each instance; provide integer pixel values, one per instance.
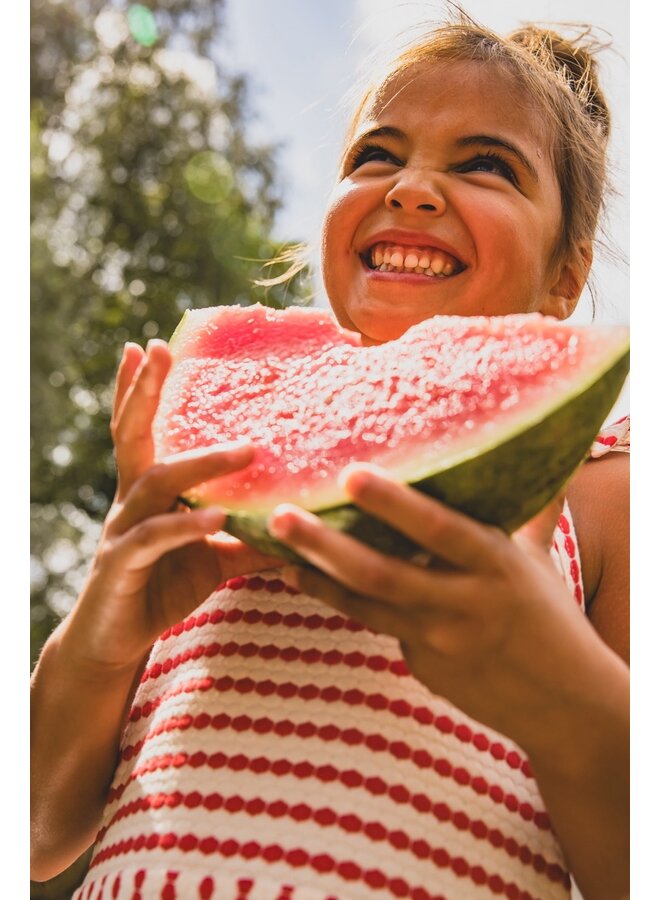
(380, 132)
(472, 140)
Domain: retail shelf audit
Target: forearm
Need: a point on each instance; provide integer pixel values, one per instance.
(77, 716)
(583, 774)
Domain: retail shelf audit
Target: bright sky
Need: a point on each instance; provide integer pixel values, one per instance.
(302, 58)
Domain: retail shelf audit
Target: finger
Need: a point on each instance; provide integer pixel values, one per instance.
(540, 530)
(145, 543)
(157, 490)
(379, 617)
(359, 567)
(443, 531)
(130, 361)
(133, 435)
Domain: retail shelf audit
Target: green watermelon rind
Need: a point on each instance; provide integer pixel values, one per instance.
(505, 484)
(190, 321)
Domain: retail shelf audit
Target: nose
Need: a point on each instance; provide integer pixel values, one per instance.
(416, 191)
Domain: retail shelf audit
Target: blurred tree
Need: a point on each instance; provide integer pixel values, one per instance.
(147, 198)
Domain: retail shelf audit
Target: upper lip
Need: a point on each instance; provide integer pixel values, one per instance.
(410, 239)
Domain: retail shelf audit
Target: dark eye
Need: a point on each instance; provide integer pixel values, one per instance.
(490, 162)
(369, 153)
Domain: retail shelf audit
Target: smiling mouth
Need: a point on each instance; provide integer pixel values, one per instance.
(428, 261)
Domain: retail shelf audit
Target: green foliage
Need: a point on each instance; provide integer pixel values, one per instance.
(147, 198)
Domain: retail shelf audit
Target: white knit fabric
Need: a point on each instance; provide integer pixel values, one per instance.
(278, 750)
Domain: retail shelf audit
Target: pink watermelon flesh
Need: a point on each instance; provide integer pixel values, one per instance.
(312, 399)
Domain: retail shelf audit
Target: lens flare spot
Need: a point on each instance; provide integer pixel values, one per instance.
(209, 177)
(142, 24)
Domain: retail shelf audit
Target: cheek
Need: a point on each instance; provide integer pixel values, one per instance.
(349, 204)
(332, 229)
(496, 223)
(516, 246)
(332, 268)
(329, 250)
(337, 237)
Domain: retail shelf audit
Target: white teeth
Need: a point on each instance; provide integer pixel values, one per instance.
(386, 267)
(423, 262)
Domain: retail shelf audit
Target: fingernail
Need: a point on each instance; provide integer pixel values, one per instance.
(278, 526)
(152, 343)
(124, 352)
(281, 523)
(354, 478)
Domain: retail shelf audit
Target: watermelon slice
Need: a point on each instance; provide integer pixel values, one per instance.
(489, 415)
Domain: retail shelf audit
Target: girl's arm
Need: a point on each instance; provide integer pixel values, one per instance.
(78, 712)
(589, 801)
(153, 566)
(491, 627)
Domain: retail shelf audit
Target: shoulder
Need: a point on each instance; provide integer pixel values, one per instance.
(599, 499)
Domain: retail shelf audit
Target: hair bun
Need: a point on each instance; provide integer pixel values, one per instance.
(574, 63)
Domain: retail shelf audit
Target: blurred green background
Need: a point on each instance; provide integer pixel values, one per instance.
(147, 198)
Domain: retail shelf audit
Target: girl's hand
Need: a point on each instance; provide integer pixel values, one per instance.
(155, 563)
(488, 625)
(153, 566)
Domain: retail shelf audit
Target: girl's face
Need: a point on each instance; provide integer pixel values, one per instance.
(449, 182)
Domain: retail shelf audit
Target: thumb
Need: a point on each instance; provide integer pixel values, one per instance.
(540, 529)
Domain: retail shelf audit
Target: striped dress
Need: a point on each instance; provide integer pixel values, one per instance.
(279, 751)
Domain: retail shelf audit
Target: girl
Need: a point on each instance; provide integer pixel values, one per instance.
(375, 728)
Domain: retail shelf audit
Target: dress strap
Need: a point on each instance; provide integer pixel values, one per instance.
(566, 555)
(565, 551)
(612, 437)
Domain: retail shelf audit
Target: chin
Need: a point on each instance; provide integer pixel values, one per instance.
(380, 329)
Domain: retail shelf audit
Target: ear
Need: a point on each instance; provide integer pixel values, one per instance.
(571, 278)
